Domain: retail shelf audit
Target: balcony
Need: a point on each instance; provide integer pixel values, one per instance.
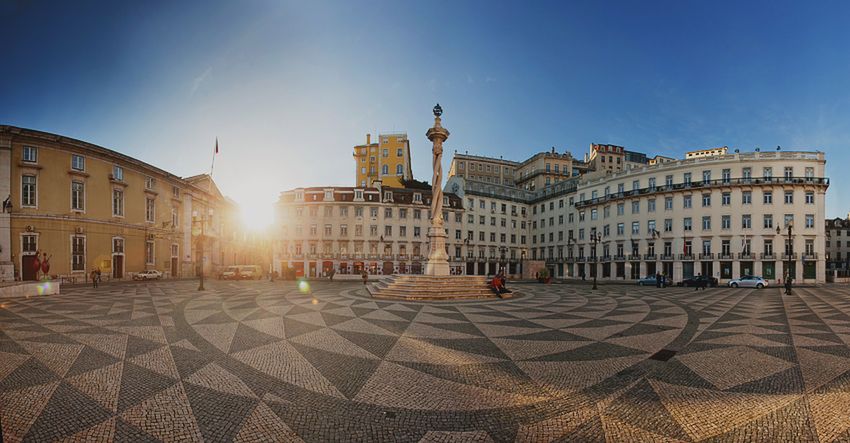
(789, 256)
(747, 256)
(724, 182)
(650, 257)
(607, 258)
(619, 258)
(766, 256)
(706, 256)
(634, 257)
(403, 257)
(725, 256)
(667, 257)
(810, 256)
(388, 257)
(686, 257)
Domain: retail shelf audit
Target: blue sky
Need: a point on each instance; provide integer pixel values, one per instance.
(290, 87)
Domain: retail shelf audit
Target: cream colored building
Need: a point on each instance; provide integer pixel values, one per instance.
(349, 230)
(711, 152)
(89, 207)
(715, 215)
(484, 169)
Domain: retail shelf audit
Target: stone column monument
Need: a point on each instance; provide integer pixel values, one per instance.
(438, 260)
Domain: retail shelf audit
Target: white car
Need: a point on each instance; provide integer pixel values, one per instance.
(749, 281)
(150, 274)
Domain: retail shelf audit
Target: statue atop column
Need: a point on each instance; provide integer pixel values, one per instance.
(438, 259)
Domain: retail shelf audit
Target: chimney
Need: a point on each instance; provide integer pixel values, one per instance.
(368, 138)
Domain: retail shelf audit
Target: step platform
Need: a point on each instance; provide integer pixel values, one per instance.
(430, 287)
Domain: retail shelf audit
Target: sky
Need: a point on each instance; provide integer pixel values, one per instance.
(288, 88)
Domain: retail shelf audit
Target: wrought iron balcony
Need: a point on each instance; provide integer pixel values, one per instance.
(686, 257)
(706, 256)
(748, 256)
(650, 257)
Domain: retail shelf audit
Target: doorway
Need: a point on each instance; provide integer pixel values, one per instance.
(27, 271)
(118, 266)
(174, 267)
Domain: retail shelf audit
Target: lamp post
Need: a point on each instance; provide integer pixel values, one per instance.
(790, 250)
(521, 260)
(570, 253)
(202, 220)
(596, 240)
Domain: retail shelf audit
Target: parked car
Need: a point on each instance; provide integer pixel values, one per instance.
(696, 281)
(651, 281)
(748, 281)
(242, 272)
(149, 274)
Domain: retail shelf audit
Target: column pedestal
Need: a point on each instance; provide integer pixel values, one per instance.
(438, 260)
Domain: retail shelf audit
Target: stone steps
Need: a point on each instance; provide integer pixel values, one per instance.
(429, 287)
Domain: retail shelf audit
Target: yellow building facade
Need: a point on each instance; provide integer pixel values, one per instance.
(388, 160)
(88, 207)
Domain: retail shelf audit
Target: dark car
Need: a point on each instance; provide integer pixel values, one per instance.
(697, 281)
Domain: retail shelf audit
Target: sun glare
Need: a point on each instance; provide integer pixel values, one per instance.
(256, 215)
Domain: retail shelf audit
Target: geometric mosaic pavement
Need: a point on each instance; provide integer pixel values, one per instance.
(261, 361)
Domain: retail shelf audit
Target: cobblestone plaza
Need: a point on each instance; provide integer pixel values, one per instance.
(263, 361)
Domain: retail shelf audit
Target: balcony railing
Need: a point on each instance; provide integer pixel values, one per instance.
(650, 257)
(810, 256)
(819, 181)
(747, 256)
(634, 257)
(765, 256)
(667, 257)
(686, 257)
(619, 258)
(706, 256)
(723, 256)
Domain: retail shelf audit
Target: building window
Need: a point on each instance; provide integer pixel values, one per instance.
(686, 201)
(706, 223)
(78, 162)
(768, 221)
(789, 197)
(768, 197)
(29, 243)
(117, 173)
(668, 203)
(810, 220)
(399, 170)
(726, 222)
(687, 224)
(150, 210)
(150, 182)
(30, 154)
(810, 198)
(768, 173)
(747, 197)
(385, 170)
(78, 196)
(117, 203)
(726, 199)
(78, 253)
(668, 225)
(28, 190)
(746, 221)
(175, 192)
(706, 176)
(726, 176)
(706, 200)
(635, 207)
(149, 256)
(635, 228)
(117, 245)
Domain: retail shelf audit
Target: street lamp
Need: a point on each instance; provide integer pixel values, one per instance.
(790, 248)
(202, 220)
(596, 239)
(521, 260)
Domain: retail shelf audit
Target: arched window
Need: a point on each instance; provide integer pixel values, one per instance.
(385, 170)
(399, 170)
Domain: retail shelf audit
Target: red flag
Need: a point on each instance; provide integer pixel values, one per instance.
(684, 246)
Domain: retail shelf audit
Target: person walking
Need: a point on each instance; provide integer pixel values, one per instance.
(657, 280)
(93, 278)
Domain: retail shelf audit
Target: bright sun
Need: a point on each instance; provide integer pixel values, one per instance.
(256, 215)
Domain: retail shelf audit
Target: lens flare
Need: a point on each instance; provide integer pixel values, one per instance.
(304, 286)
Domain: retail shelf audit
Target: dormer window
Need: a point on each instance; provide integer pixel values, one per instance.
(388, 196)
(445, 201)
(299, 196)
(417, 197)
(329, 195)
(358, 194)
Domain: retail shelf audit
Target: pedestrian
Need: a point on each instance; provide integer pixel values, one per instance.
(98, 276)
(698, 282)
(365, 277)
(94, 278)
(657, 280)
